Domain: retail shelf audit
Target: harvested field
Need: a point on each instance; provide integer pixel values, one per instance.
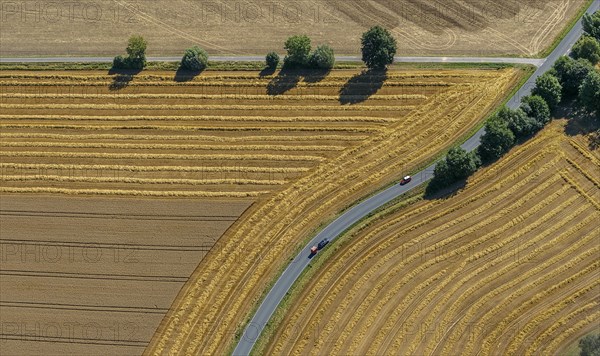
(508, 265)
(94, 276)
(221, 134)
(211, 307)
(462, 27)
(291, 144)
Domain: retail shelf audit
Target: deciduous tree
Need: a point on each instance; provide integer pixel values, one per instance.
(322, 58)
(298, 51)
(496, 141)
(589, 96)
(378, 48)
(194, 59)
(587, 47)
(548, 87)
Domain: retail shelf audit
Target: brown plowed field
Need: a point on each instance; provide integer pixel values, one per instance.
(95, 276)
(422, 27)
(211, 308)
(508, 265)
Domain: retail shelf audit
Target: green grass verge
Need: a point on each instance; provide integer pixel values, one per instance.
(528, 70)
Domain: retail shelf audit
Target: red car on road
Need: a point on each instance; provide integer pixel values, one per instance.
(405, 180)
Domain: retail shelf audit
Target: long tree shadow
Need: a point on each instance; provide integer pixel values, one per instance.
(316, 75)
(444, 192)
(285, 80)
(122, 78)
(362, 86)
(185, 75)
(580, 122)
(267, 71)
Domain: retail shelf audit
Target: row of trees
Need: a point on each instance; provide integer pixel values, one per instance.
(194, 58)
(299, 55)
(571, 78)
(378, 50)
(136, 55)
(502, 131)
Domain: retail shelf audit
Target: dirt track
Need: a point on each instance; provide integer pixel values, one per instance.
(96, 276)
(464, 27)
(508, 265)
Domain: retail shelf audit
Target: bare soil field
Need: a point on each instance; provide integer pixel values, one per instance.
(211, 308)
(422, 27)
(508, 265)
(94, 276)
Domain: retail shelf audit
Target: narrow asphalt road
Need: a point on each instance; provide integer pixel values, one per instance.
(361, 210)
(516, 60)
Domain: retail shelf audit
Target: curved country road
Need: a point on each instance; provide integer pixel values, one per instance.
(361, 210)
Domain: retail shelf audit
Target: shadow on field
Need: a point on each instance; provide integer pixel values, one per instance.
(122, 78)
(316, 75)
(267, 71)
(580, 122)
(360, 87)
(185, 75)
(286, 79)
(446, 192)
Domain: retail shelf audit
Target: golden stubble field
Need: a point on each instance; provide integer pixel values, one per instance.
(97, 149)
(508, 265)
(211, 308)
(422, 27)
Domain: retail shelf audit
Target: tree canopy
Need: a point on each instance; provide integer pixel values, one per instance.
(591, 25)
(298, 50)
(194, 59)
(136, 54)
(136, 51)
(587, 47)
(536, 107)
(272, 60)
(590, 345)
(518, 122)
(548, 87)
(457, 165)
(378, 48)
(322, 58)
(496, 141)
(589, 96)
(571, 74)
